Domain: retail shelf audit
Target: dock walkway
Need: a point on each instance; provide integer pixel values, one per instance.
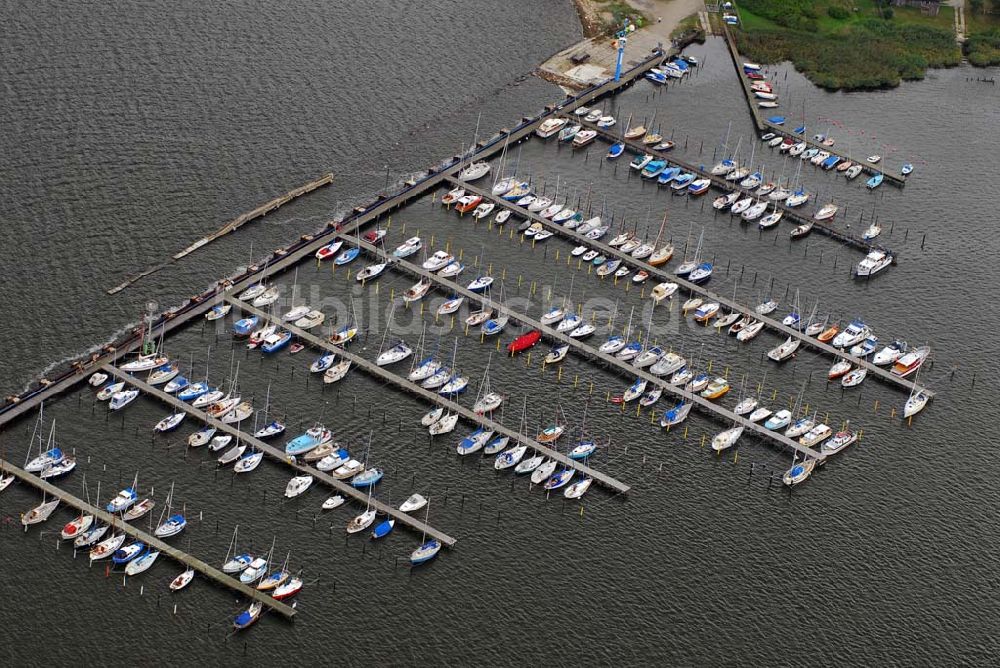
(152, 541)
(662, 275)
(279, 455)
(764, 125)
(791, 215)
(437, 399)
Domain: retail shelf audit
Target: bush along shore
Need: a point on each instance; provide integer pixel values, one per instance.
(983, 48)
(844, 44)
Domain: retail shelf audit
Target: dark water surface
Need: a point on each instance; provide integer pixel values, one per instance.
(133, 133)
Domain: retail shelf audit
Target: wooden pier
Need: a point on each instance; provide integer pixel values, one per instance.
(435, 398)
(183, 558)
(609, 361)
(283, 258)
(764, 125)
(279, 455)
(791, 215)
(662, 275)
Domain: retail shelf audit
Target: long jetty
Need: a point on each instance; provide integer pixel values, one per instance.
(692, 288)
(152, 541)
(791, 215)
(436, 399)
(283, 258)
(280, 456)
(231, 226)
(609, 361)
(764, 125)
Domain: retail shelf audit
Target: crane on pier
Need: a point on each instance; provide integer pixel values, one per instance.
(621, 39)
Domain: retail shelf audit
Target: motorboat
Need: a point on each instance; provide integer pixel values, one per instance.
(854, 333)
(298, 485)
(408, 247)
(706, 312)
(890, 353)
(866, 347)
(723, 202)
(853, 172)
(779, 420)
(120, 400)
(838, 442)
(873, 263)
(816, 435)
(438, 260)
(551, 126)
(124, 500)
(912, 360)
(668, 364)
(275, 342)
(310, 440)
(583, 138)
(716, 389)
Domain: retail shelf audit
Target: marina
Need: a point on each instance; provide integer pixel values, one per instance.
(521, 311)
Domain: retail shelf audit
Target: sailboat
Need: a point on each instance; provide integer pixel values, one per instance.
(428, 549)
(174, 523)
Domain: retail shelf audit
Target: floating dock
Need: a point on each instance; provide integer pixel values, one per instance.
(434, 398)
(662, 275)
(764, 125)
(181, 557)
(279, 455)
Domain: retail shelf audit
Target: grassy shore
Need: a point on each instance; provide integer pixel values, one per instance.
(848, 44)
(983, 44)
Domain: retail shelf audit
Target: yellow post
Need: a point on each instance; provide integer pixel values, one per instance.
(461, 252)
(528, 359)
(498, 344)
(432, 239)
(710, 366)
(736, 457)
(503, 273)
(876, 406)
(685, 432)
(703, 437)
(591, 387)
(557, 255)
